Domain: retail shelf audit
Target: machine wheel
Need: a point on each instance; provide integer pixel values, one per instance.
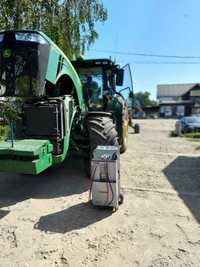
(101, 132)
(137, 128)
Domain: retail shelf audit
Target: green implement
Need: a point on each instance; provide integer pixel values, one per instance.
(28, 156)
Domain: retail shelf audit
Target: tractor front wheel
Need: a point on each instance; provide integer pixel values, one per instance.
(102, 132)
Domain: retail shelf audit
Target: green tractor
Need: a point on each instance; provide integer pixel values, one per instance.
(78, 104)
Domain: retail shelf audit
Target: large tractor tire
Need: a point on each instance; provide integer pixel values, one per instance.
(137, 128)
(101, 132)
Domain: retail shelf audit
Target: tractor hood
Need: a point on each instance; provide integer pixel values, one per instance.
(23, 63)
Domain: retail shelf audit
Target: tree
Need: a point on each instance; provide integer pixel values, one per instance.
(144, 99)
(9, 113)
(69, 23)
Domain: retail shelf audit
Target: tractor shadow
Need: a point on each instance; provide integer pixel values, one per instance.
(65, 179)
(3, 213)
(74, 218)
(184, 175)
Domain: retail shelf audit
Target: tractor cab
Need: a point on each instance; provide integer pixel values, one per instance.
(23, 63)
(107, 88)
(99, 78)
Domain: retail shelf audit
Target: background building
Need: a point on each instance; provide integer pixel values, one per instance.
(177, 100)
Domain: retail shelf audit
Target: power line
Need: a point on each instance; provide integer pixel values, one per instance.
(144, 54)
(165, 62)
(162, 62)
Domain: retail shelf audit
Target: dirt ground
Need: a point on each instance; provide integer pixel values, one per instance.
(47, 221)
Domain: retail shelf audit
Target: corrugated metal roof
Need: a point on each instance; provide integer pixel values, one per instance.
(173, 89)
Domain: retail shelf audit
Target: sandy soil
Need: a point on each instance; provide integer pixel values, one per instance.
(47, 221)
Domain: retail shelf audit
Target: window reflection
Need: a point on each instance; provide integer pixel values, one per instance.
(1, 37)
(30, 37)
(92, 81)
(23, 66)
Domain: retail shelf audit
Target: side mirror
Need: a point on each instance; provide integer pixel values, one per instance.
(119, 77)
(131, 95)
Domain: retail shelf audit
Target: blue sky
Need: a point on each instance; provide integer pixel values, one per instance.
(169, 27)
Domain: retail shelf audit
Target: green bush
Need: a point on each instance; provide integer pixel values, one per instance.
(193, 135)
(3, 132)
(173, 134)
